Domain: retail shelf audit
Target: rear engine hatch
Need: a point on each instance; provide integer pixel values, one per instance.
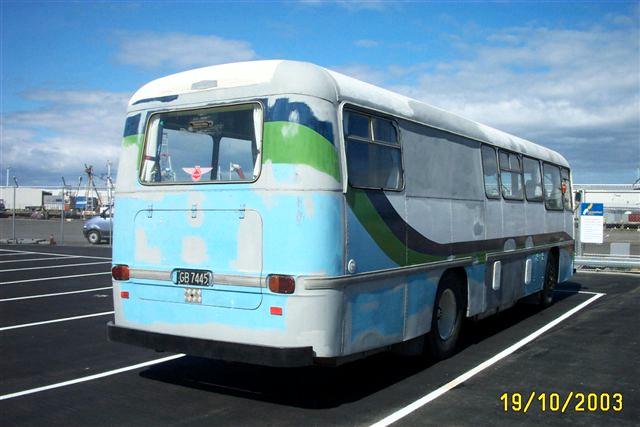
(225, 242)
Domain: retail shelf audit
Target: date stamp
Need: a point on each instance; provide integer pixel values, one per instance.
(561, 403)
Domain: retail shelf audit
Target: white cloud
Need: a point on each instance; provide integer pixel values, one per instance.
(180, 50)
(576, 91)
(73, 128)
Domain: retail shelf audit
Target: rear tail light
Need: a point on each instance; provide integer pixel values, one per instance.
(120, 272)
(281, 284)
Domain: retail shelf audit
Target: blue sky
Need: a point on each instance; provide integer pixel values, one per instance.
(564, 74)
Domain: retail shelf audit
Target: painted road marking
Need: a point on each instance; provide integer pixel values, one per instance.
(15, 253)
(59, 254)
(401, 413)
(56, 266)
(56, 294)
(39, 259)
(91, 377)
(54, 278)
(45, 322)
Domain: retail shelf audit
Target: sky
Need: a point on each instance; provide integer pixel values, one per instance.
(563, 74)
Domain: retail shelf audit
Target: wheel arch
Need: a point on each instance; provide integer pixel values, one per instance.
(458, 274)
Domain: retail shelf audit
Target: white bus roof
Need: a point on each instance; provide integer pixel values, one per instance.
(247, 80)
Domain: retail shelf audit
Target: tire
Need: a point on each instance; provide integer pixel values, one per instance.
(550, 281)
(94, 237)
(446, 321)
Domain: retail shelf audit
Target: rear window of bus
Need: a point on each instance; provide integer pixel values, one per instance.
(219, 144)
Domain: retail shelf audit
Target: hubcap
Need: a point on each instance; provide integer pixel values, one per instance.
(446, 314)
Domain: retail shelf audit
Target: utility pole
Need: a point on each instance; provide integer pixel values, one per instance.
(110, 202)
(64, 187)
(13, 221)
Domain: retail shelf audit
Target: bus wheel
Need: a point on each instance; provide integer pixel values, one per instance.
(446, 320)
(550, 280)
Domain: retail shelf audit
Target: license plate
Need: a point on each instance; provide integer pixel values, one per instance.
(193, 277)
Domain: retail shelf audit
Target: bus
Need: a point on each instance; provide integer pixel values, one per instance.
(279, 213)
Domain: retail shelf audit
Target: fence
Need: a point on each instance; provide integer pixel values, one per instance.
(52, 214)
(608, 227)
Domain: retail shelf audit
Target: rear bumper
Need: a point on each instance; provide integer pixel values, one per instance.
(221, 350)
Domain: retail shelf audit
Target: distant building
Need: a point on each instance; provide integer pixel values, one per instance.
(31, 197)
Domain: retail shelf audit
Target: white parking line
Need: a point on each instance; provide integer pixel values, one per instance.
(15, 253)
(401, 413)
(39, 259)
(91, 377)
(615, 273)
(54, 278)
(56, 266)
(55, 253)
(56, 294)
(45, 322)
(569, 291)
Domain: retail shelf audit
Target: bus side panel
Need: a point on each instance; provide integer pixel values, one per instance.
(538, 271)
(421, 294)
(387, 311)
(476, 289)
(303, 233)
(374, 314)
(565, 264)
(365, 249)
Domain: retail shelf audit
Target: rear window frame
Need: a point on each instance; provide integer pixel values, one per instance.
(149, 119)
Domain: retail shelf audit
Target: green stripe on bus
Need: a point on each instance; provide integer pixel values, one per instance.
(376, 227)
(393, 247)
(288, 142)
(131, 139)
(136, 140)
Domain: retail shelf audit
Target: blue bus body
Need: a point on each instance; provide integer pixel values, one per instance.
(366, 250)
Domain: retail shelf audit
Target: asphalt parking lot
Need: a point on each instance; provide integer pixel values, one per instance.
(57, 368)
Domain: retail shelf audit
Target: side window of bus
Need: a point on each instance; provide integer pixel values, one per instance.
(511, 175)
(490, 172)
(532, 180)
(552, 187)
(566, 189)
(373, 152)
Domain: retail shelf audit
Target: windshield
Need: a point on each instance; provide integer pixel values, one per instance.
(205, 145)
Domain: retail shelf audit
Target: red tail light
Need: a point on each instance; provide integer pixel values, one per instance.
(275, 311)
(120, 272)
(281, 284)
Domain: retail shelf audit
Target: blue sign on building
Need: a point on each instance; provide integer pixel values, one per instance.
(591, 209)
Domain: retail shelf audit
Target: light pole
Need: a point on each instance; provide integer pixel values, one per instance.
(13, 221)
(110, 202)
(64, 186)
